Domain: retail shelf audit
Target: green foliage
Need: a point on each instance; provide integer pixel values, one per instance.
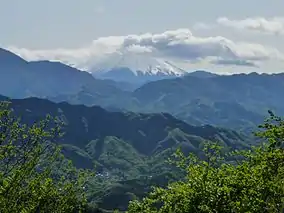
(254, 183)
(34, 176)
(117, 156)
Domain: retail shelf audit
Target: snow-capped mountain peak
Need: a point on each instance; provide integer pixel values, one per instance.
(139, 64)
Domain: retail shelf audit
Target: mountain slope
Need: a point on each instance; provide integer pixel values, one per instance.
(19, 78)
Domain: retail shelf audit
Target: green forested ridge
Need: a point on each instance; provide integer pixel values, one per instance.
(93, 131)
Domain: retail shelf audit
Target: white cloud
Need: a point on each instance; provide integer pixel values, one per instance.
(139, 49)
(178, 44)
(82, 58)
(264, 25)
(184, 45)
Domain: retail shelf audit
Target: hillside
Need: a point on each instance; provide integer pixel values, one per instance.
(20, 79)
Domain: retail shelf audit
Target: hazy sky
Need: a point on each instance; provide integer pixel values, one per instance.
(223, 35)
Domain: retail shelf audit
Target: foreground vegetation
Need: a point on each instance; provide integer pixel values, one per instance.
(35, 177)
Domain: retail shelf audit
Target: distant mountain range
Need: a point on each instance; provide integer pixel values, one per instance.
(234, 101)
(237, 101)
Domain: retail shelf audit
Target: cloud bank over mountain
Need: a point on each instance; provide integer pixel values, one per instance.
(274, 26)
(180, 45)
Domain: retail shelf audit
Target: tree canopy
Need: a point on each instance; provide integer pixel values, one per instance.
(34, 176)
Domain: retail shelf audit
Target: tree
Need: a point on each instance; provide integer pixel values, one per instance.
(34, 176)
(253, 183)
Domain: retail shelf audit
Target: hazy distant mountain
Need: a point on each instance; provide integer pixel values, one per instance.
(238, 101)
(135, 68)
(19, 78)
(235, 101)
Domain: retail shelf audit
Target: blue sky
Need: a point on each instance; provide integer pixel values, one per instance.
(224, 35)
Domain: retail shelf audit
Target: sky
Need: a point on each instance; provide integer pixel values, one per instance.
(220, 35)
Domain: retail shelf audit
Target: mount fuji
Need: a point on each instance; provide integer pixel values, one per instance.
(135, 68)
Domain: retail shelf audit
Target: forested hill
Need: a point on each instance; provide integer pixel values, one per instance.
(144, 134)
